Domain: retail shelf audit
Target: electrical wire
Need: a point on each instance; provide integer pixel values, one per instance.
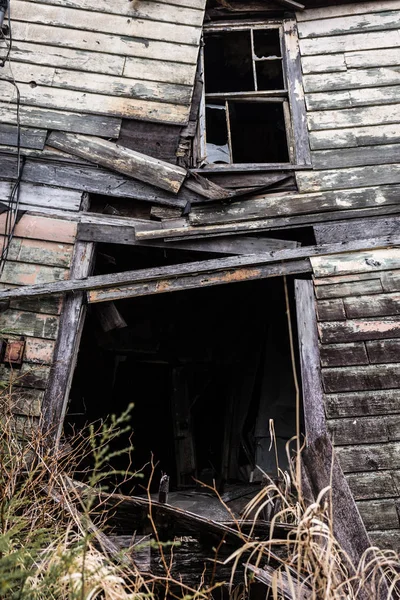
(13, 202)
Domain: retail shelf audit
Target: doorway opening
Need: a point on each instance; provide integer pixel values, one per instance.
(207, 369)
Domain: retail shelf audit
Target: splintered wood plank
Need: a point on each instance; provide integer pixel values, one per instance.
(355, 288)
(273, 205)
(379, 514)
(331, 310)
(369, 457)
(355, 137)
(24, 401)
(145, 168)
(342, 355)
(358, 404)
(132, 108)
(76, 122)
(30, 324)
(292, 65)
(38, 350)
(328, 12)
(348, 24)
(40, 195)
(354, 117)
(359, 330)
(29, 376)
(372, 377)
(372, 306)
(42, 228)
(383, 351)
(349, 43)
(121, 45)
(55, 56)
(369, 486)
(145, 9)
(364, 430)
(361, 262)
(187, 282)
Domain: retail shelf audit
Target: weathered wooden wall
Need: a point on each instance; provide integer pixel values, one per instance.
(41, 251)
(117, 59)
(358, 307)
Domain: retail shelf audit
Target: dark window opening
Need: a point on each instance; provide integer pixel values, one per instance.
(247, 113)
(206, 369)
(258, 132)
(228, 62)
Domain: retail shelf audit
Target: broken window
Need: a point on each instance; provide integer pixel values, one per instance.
(247, 112)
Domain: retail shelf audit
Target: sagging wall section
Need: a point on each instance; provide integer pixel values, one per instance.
(358, 305)
(41, 251)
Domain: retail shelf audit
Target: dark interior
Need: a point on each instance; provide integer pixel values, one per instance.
(206, 369)
(228, 62)
(258, 132)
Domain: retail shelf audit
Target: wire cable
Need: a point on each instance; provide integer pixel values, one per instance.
(13, 202)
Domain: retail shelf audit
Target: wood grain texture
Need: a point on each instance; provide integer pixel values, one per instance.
(381, 21)
(355, 330)
(370, 377)
(362, 262)
(349, 43)
(145, 168)
(383, 351)
(354, 177)
(365, 430)
(39, 195)
(365, 403)
(386, 539)
(379, 514)
(368, 486)
(355, 136)
(25, 401)
(355, 157)
(64, 120)
(369, 457)
(342, 355)
(328, 12)
(355, 228)
(354, 288)
(331, 310)
(30, 324)
(354, 117)
(67, 346)
(372, 306)
(313, 405)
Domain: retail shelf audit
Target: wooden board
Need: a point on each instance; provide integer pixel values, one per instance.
(369, 457)
(358, 330)
(355, 137)
(379, 514)
(24, 401)
(28, 376)
(353, 79)
(381, 21)
(365, 430)
(373, 96)
(355, 288)
(29, 324)
(371, 377)
(39, 252)
(349, 43)
(365, 403)
(145, 168)
(384, 305)
(328, 12)
(19, 273)
(383, 351)
(342, 355)
(368, 486)
(331, 310)
(42, 228)
(354, 117)
(64, 120)
(355, 228)
(361, 262)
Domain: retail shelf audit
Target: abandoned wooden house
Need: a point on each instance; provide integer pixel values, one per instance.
(199, 211)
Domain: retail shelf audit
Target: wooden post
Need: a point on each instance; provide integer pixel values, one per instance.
(320, 466)
(67, 346)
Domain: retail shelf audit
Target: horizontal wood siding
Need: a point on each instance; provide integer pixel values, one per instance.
(357, 302)
(350, 58)
(101, 60)
(41, 251)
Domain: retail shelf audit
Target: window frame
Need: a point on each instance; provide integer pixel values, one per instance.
(292, 97)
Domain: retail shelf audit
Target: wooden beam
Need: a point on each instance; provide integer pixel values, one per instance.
(67, 346)
(123, 160)
(313, 396)
(196, 268)
(291, 4)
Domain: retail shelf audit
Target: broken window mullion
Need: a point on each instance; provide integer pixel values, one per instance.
(228, 125)
(253, 54)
